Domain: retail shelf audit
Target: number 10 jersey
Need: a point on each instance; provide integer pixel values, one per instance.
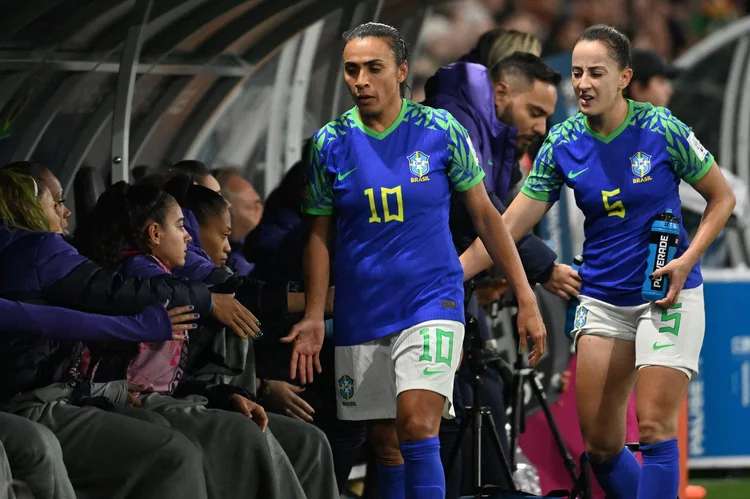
(394, 260)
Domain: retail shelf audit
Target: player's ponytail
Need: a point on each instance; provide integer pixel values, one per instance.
(379, 30)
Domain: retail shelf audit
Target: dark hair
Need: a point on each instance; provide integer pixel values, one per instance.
(197, 169)
(619, 44)
(527, 66)
(202, 201)
(379, 30)
(118, 222)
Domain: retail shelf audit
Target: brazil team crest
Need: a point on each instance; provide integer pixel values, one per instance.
(346, 387)
(581, 316)
(640, 163)
(419, 164)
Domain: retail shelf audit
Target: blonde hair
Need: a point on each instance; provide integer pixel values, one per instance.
(20, 207)
(495, 44)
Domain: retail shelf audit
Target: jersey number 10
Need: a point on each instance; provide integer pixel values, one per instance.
(389, 217)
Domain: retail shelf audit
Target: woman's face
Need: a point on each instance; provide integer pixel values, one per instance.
(215, 237)
(55, 189)
(48, 204)
(169, 240)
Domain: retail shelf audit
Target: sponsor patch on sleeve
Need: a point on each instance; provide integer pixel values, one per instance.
(696, 146)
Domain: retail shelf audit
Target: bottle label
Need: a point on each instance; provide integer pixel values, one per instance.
(663, 242)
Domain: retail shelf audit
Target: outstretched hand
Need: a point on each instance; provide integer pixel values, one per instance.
(307, 336)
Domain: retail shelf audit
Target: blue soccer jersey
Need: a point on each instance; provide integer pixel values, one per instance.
(622, 183)
(394, 262)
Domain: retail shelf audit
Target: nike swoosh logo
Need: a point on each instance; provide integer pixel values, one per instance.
(428, 372)
(343, 176)
(574, 175)
(659, 347)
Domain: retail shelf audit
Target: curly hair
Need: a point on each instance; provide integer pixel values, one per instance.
(20, 207)
(119, 220)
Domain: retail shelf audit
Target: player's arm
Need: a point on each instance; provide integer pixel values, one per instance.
(696, 166)
(316, 268)
(466, 176)
(520, 217)
(539, 193)
(308, 334)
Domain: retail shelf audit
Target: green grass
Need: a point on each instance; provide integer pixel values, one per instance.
(725, 488)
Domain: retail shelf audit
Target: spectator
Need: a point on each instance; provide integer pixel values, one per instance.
(304, 444)
(238, 456)
(246, 211)
(106, 454)
(198, 170)
(651, 78)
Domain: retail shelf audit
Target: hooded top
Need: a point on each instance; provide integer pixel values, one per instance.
(464, 90)
(43, 268)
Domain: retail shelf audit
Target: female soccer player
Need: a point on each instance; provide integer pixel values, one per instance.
(624, 160)
(386, 168)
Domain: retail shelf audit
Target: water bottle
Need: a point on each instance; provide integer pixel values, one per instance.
(662, 246)
(570, 316)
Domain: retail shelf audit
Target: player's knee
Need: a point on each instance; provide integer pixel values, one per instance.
(602, 448)
(414, 427)
(653, 430)
(384, 441)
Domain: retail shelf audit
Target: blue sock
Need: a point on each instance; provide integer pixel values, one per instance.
(425, 477)
(392, 484)
(660, 476)
(619, 475)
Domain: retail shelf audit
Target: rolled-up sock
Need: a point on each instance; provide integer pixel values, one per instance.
(660, 475)
(423, 470)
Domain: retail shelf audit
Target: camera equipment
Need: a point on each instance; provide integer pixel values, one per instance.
(478, 415)
(521, 376)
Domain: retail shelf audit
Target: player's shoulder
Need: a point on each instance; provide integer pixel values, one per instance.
(440, 120)
(657, 119)
(568, 131)
(334, 130)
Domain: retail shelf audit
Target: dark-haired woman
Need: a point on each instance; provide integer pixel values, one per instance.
(304, 444)
(140, 231)
(625, 160)
(106, 454)
(387, 168)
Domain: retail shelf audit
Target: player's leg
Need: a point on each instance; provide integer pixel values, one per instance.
(668, 345)
(367, 392)
(425, 359)
(605, 375)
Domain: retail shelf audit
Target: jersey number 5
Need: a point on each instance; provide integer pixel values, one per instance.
(389, 217)
(616, 209)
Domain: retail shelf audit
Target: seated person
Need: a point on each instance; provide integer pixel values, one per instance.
(140, 231)
(39, 379)
(305, 445)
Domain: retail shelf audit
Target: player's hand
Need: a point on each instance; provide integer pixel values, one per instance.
(307, 335)
(677, 270)
(283, 398)
(531, 325)
(251, 410)
(564, 282)
(234, 315)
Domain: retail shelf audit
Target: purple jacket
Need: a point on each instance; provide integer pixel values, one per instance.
(42, 268)
(464, 90)
(62, 324)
